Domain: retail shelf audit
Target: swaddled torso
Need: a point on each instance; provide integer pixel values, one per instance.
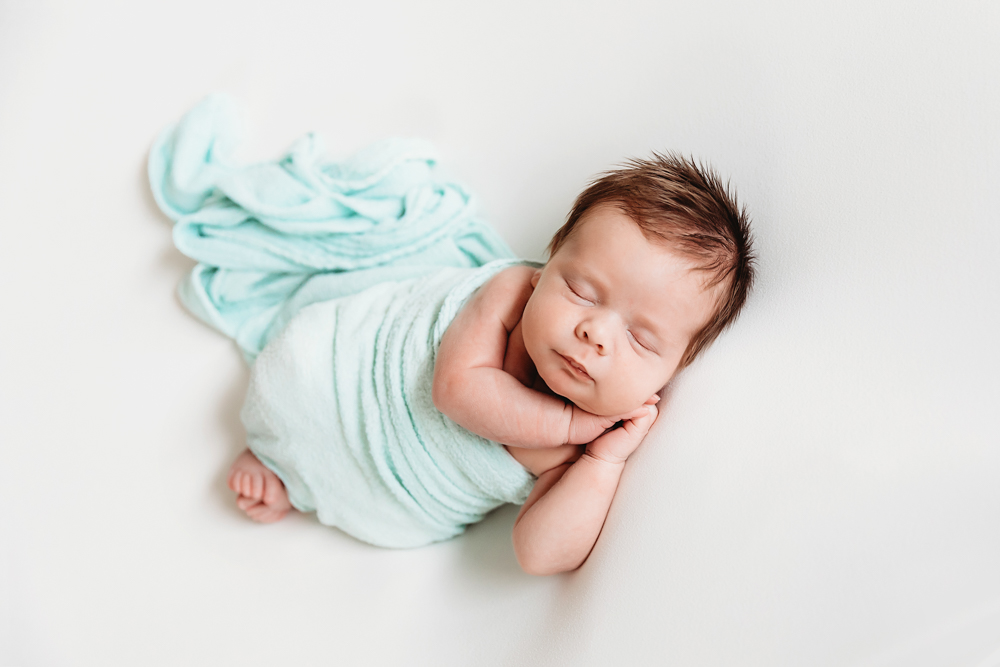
(340, 408)
(329, 271)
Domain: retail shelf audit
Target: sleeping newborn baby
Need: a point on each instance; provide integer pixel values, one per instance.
(520, 383)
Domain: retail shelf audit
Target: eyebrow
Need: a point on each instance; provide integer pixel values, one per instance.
(586, 276)
(582, 275)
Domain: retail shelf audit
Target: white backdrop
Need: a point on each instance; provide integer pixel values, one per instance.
(822, 487)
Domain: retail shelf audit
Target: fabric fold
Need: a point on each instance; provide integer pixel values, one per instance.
(264, 232)
(337, 281)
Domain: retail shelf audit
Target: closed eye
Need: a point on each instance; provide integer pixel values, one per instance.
(578, 295)
(639, 342)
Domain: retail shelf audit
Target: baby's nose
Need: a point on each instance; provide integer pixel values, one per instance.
(593, 333)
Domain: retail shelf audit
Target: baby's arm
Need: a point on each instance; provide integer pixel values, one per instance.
(559, 523)
(471, 387)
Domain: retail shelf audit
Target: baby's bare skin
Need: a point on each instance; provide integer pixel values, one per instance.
(600, 329)
(259, 491)
(545, 361)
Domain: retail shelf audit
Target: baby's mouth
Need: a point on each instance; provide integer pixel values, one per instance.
(577, 368)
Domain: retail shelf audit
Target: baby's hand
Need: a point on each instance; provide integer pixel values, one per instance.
(584, 426)
(616, 446)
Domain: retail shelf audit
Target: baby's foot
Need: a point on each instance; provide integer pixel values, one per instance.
(260, 493)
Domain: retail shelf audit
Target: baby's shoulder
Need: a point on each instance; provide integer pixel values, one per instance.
(512, 284)
(498, 302)
(514, 277)
(503, 296)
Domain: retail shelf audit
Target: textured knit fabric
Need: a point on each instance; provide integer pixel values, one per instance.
(337, 281)
(340, 408)
(273, 237)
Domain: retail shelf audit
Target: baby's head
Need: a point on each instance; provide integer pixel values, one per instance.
(653, 263)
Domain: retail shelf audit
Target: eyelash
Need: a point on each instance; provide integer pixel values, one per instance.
(638, 342)
(578, 295)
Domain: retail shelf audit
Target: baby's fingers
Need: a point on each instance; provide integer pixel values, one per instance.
(638, 413)
(640, 424)
(617, 445)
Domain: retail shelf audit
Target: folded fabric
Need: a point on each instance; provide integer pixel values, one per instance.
(339, 407)
(338, 281)
(272, 237)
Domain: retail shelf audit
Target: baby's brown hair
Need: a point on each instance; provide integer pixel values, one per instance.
(687, 206)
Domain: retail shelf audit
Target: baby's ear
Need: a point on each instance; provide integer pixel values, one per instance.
(534, 278)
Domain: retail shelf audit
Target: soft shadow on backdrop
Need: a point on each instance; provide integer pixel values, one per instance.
(820, 488)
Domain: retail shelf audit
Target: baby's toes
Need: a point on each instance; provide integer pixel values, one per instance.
(234, 480)
(258, 512)
(258, 485)
(246, 503)
(246, 485)
(264, 514)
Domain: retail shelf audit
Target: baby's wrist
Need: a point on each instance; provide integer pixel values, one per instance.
(569, 414)
(604, 459)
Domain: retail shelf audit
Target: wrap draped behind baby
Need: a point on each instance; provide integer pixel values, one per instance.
(337, 281)
(274, 236)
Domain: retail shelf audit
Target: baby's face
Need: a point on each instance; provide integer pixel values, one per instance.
(612, 314)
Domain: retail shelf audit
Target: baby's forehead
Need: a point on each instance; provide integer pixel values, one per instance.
(609, 255)
(608, 223)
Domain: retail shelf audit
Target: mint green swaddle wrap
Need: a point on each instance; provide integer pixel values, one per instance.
(337, 281)
(340, 408)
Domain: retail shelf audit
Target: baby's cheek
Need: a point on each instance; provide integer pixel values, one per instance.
(609, 397)
(626, 391)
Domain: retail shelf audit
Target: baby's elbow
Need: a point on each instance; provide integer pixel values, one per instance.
(540, 566)
(537, 568)
(540, 562)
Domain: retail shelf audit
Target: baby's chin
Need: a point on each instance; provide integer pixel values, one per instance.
(604, 408)
(597, 405)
